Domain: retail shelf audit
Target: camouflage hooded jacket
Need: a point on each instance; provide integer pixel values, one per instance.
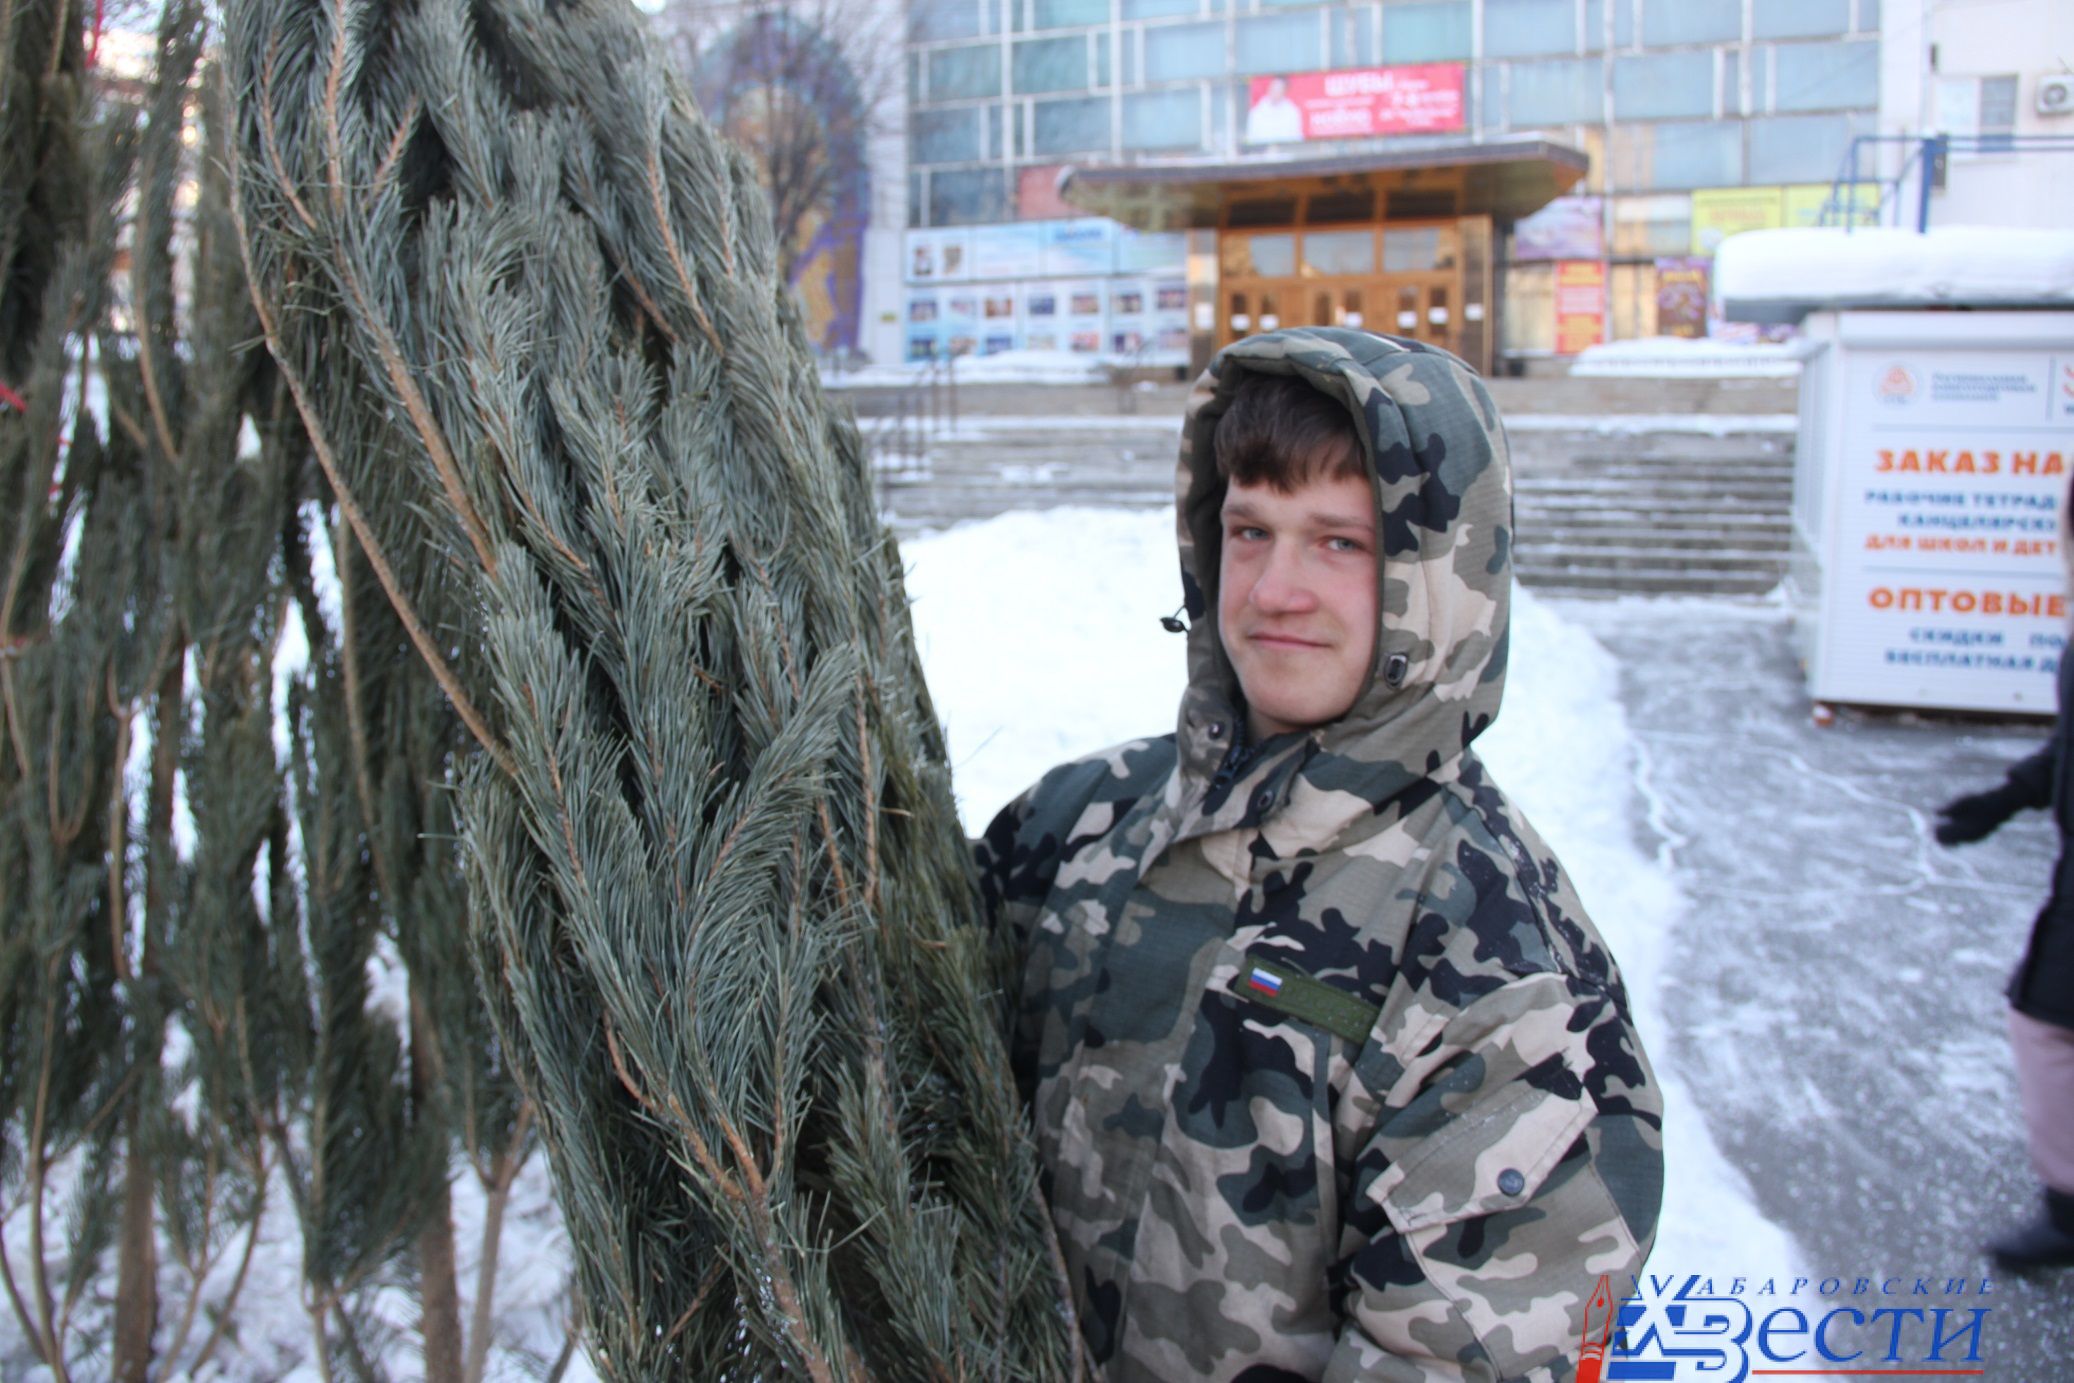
(1332, 1076)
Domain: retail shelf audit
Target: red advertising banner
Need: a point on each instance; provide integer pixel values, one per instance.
(1580, 304)
(1421, 99)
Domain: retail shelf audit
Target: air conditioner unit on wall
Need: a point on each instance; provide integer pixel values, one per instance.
(2055, 94)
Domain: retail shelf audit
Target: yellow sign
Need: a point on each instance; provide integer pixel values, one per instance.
(1804, 205)
(1719, 212)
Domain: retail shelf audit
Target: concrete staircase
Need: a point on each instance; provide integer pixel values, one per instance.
(990, 465)
(1654, 513)
(1621, 486)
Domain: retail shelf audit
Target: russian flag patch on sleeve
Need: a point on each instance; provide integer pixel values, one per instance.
(1264, 982)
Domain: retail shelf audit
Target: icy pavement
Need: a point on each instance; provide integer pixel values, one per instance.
(1834, 992)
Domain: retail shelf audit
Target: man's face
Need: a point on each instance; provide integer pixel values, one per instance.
(1296, 600)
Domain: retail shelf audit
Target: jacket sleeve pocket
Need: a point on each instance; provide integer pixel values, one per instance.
(1489, 1159)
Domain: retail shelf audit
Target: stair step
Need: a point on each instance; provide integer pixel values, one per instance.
(1641, 582)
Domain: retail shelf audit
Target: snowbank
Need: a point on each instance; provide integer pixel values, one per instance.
(1780, 275)
(1674, 357)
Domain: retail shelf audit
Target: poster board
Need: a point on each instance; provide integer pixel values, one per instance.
(1719, 212)
(1580, 304)
(1354, 103)
(1947, 461)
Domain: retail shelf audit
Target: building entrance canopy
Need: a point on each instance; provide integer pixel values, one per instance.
(1503, 179)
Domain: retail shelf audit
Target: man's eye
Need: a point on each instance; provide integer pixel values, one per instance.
(1346, 545)
(1248, 532)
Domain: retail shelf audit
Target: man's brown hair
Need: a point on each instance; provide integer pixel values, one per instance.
(1280, 432)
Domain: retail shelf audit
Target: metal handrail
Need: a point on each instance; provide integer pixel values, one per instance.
(924, 408)
(1122, 369)
(1925, 158)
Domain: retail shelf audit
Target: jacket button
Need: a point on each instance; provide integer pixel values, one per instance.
(1263, 799)
(1216, 730)
(1511, 1182)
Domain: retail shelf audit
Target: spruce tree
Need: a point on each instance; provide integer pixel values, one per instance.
(74, 613)
(523, 294)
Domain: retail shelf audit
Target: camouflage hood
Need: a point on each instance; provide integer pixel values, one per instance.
(1443, 506)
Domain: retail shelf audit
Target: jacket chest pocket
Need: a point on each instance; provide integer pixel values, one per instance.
(1252, 1094)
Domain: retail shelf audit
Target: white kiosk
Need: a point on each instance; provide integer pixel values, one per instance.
(1935, 451)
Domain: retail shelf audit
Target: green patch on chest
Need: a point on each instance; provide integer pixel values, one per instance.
(1286, 989)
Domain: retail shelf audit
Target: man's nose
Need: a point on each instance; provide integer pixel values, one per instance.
(1284, 587)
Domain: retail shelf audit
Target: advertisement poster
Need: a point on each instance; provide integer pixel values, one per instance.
(1151, 252)
(1681, 296)
(1082, 299)
(1006, 252)
(1567, 228)
(1085, 246)
(935, 256)
(1580, 304)
(1354, 103)
(1945, 585)
(1719, 212)
(1804, 204)
(1037, 194)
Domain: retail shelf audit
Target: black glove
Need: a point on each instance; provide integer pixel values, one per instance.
(1974, 816)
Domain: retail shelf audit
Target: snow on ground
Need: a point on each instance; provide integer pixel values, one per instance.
(1040, 637)
(1976, 266)
(1674, 357)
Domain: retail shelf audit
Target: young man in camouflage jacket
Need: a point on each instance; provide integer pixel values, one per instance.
(1332, 1077)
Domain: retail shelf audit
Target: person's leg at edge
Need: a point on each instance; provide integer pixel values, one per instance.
(2045, 1083)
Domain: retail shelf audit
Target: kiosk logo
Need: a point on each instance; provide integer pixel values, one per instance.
(1681, 1329)
(1897, 384)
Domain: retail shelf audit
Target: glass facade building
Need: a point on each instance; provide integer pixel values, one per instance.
(1692, 117)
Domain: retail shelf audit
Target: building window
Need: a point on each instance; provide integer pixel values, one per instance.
(955, 73)
(1050, 64)
(1684, 154)
(1595, 24)
(946, 136)
(1667, 22)
(1425, 33)
(1799, 148)
(967, 196)
(1555, 93)
(1800, 18)
(1650, 86)
(1176, 52)
(1066, 14)
(1279, 43)
(1163, 119)
(1160, 9)
(1070, 127)
(1997, 114)
(1529, 28)
(1828, 76)
(941, 19)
